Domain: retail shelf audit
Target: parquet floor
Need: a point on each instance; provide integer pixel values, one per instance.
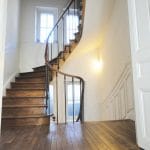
(112, 135)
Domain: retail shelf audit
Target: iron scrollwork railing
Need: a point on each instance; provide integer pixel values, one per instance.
(60, 37)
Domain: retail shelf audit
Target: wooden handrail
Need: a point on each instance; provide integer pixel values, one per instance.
(50, 67)
(47, 63)
(61, 16)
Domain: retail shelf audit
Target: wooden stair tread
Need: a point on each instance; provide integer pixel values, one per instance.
(13, 97)
(25, 89)
(77, 33)
(28, 90)
(29, 82)
(24, 106)
(38, 67)
(27, 116)
(30, 77)
(67, 45)
(22, 73)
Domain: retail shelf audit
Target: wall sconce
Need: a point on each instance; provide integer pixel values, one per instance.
(97, 65)
(97, 62)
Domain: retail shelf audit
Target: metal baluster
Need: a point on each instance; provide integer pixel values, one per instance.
(80, 99)
(49, 105)
(47, 79)
(46, 88)
(49, 56)
(69, 32)
(48, 82)
(74, 23)
(57, 46)
(68, 26)
(51, 50)
(63, 38)
(73, 96)
(74, 6)
(65, 92)
(57, 95)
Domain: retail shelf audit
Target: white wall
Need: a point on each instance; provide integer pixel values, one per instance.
(11, 42)
(106, 38)
(31, 53)
(80, 62)
(97, 14)
(106, 33)
(115, 54)
(119, 103)
(82, 65)
(3, 13)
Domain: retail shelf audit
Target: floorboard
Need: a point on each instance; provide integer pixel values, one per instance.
(110, 135)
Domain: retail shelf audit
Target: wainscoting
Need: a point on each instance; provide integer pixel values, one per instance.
(120, 102)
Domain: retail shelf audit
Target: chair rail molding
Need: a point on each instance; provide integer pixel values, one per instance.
(119, 104)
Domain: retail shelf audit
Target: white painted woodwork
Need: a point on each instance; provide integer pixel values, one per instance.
(3, 5)
(120, 102)
(11, 52)
(139, 16)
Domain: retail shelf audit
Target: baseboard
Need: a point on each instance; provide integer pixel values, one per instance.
(7, 83)
(131, 115)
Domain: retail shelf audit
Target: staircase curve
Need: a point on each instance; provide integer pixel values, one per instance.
(28, 101)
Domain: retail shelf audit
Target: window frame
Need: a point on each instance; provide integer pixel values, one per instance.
(71, 11)
(38, 12)
(70, 101)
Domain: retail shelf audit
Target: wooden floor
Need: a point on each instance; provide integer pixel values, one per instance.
(117, 135)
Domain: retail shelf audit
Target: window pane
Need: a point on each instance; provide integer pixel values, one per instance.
(70, 101)
(50, 21)
(47, 20)
(72, 22)
(46, 25)
(51, 99)
(43, 34)
(77, 92)
(43, 22)
(69, 92)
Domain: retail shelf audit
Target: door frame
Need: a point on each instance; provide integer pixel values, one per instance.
(136, 36)
(3, 17)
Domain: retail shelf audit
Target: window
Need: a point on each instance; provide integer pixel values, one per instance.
(70, 100)
(46, 25)
(45, 19)
(72, 22)
(51, 88)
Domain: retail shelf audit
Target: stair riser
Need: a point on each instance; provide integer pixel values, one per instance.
(32, 85)
(24, 102)
(23, 111)
(77, 37)
(67, 49)
(37, 74)
(26, 88)
(27, 93)
(30, 80)
(25, 121)
(39, 69)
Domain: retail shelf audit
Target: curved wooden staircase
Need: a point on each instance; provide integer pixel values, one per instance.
(25, 102)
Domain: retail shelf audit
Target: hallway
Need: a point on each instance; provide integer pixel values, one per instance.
(112, 135)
